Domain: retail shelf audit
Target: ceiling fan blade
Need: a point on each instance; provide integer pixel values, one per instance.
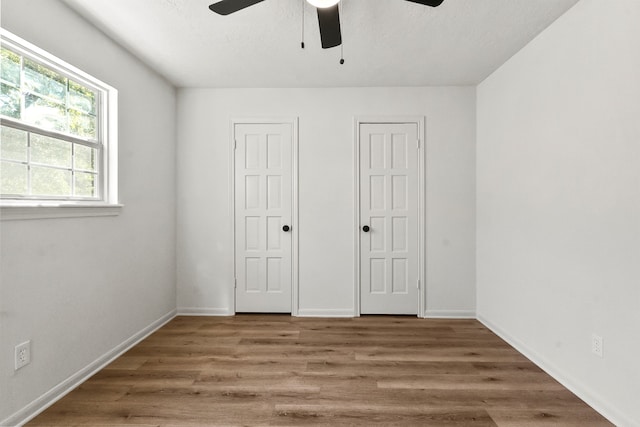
(225, 7)
(329, 20)
(432, 3)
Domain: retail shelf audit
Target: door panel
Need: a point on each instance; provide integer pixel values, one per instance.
(389, 206)
(263, 195)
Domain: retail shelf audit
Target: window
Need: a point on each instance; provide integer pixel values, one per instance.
(57, 140)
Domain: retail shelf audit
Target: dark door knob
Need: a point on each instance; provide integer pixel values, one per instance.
(366, 228)
(286, 228)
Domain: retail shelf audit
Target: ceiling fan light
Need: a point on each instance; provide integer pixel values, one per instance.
(322, 3)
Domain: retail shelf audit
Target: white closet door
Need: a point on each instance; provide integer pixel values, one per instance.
(389, 218)
(263, 213)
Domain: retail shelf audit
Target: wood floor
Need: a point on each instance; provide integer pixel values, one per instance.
(273, 370)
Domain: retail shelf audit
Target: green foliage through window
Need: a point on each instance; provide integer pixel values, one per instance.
(54, 141)
(33, 93)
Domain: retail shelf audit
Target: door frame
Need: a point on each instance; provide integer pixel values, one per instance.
(419, 121)
(293, 122)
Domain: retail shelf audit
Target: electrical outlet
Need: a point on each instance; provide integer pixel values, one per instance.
(23, 355)
(596, 345)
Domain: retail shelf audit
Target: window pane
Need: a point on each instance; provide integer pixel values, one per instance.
(9, 101)
(82, 125)
(81, 98)
(86, 184)
(13, 178)
(45, 114)
(50, 144)
(50, 151)
(13, 144)
(10, 67)
(86, 158)
(44, 81)
(50, 182)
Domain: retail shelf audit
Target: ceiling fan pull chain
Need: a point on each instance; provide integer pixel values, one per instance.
(302, 38)
(342, 43)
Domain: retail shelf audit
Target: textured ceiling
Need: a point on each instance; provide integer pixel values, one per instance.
(386, 42)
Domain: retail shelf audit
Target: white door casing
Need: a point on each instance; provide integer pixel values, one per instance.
(263, 208)
(389, 210)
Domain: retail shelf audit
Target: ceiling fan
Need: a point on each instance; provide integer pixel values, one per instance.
(328, 15)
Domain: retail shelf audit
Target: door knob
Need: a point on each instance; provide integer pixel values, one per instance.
(366, 228)
(286, 228)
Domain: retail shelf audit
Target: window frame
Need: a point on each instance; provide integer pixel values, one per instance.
(106, 144)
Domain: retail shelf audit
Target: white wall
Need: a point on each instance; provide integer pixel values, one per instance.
(79, 287)
(558, 202)
(326, 201)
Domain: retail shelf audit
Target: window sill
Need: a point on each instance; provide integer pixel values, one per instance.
(25, 212)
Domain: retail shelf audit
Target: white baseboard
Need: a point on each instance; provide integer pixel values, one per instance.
(325, 312)
(204, 311)
(576, 387)
(34, 408)
(449, 314)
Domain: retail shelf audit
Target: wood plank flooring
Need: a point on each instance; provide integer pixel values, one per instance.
(276, 370)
